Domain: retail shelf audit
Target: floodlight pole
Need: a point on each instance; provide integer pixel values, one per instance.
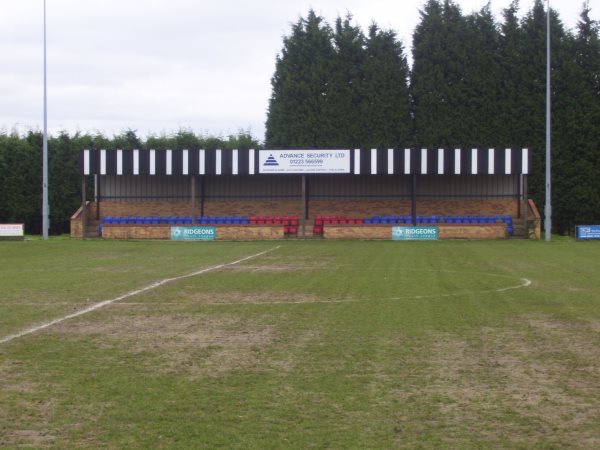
(45, 206)
(548, 206)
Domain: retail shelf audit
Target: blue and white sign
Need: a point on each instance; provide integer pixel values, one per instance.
(304, 161)
(415, 233)
(193, 233)
(588, 232)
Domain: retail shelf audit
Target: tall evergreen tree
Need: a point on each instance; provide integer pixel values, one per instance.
(577, 187)
(298, 111)
(437, 84)
(510, 108)
(385, 107)
(345, 84)
(533, 92)
(481, 80)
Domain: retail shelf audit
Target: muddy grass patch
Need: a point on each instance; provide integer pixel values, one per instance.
(24, 414)
(538, 381)
(179, 343)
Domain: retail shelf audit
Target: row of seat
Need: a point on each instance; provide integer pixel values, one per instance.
(438, 219)
(320, 221)
(290, 224)
(274, 220)
(176, 220)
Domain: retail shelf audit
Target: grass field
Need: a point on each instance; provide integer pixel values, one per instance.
(311, 345)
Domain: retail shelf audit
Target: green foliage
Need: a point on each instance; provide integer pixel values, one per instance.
(21, 170)
(476, 83)
(385, 105)
(298, 112)
(339, 88)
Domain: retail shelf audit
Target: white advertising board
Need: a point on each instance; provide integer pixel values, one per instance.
(304, 161)
(11, 230)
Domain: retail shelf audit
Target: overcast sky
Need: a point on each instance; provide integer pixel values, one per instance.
(160, 65)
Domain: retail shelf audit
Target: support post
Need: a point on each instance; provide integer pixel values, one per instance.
(413, 194)
(202, 195)
(520, 196)
(525, 207)
(83, 207)
(305, 197)
(193, 199)
(97, 196)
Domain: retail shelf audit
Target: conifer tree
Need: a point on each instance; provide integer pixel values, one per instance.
(481, 80)
(577, 186)
(385, 107)
(297, 115)
(437, 84)
(345, 84)
(512, 130)
(533, 93)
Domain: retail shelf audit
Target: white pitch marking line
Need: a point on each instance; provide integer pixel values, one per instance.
(104, 303)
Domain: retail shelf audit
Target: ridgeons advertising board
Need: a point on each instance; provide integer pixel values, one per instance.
(415, 233)
(304, 161)
(193, 233)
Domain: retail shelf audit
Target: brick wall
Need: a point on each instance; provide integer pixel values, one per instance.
(349, 232)
(76, 228)
(224, 232)
(365, 208)
(351, 208)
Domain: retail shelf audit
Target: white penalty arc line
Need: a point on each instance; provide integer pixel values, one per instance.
(147, 288)
(524, 283)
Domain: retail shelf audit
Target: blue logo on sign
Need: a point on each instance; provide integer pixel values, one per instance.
(271, 161)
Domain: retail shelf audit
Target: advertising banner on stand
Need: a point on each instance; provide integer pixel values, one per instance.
(304, 161)
(193, 233)
(415, 233)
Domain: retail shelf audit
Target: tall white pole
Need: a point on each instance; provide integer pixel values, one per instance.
(45, 205)
(548, 206)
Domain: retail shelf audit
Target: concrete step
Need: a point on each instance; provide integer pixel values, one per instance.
(91, 230)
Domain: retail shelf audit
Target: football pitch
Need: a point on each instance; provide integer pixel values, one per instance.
(312, 344)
